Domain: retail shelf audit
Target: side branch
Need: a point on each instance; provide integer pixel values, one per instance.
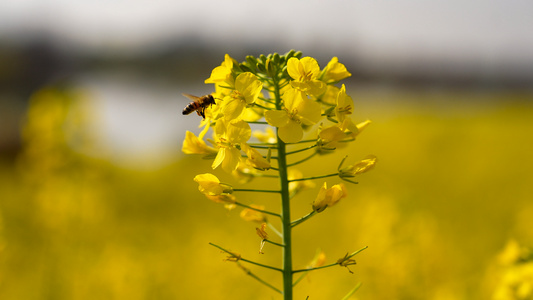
(263, 107)
(303, 219)
(274, 243)
(257, 122)
(253, 190)
(301, 150)
(316, 268)
(302, 160)
(343, 262)
(256, 209)
(302, 141)
(314, 177)
(246, 260)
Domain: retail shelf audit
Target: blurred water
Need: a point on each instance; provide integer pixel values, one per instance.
(140, 124)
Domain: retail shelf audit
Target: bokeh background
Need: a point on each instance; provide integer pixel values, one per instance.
(97, 201)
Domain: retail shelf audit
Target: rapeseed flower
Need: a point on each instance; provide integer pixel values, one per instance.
(329, 196)
(195, 145)
(247, 89)
(229, 135)
(362, 166)
(223, 73)
(255, 159)
(334, 72)
(305, 73)
(209, 184)
(297, 110)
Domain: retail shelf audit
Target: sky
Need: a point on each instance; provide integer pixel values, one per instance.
(476, 30)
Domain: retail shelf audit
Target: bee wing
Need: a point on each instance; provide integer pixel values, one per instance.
(192, 97)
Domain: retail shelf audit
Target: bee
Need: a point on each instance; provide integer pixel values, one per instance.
(199, 104)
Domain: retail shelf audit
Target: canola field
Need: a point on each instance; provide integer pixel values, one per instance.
(447, 213)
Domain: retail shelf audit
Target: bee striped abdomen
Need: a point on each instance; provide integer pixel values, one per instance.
(190, 108)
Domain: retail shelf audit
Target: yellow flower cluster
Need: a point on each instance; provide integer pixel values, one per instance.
(308, 95)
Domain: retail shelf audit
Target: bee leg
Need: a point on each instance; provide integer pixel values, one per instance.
(201, 112)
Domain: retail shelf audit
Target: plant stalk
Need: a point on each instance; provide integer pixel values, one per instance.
(285, 206)
(286, 222)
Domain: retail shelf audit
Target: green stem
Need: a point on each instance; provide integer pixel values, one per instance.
(301, 142)
(317, 268)
(256, 209)
(263, 107)
(262, 147)
(302, 219)
(274, 243)
(257, 122)
(348, 256)
(300, 150)
(314, 177)
(246, 260)
(299, 279)
(272, 145)
(285, 206)
(254, 190)
(266, 175)
(267, 100)
(302, 160)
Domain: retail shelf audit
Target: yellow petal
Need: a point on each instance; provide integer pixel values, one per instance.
(310, 66)
(344, 104)
(221, 155)
(222, 73)
(335, 71)
(333, 133)
(293, 65)
(336, 193)
(320, 202)
(208, 184)
(292, 98)
(277, 118)
(363, 166)
(348, 125)
(248, 86)
(330, 95)
(224, 198)
(361, 126)
(238, 132)
(291, 133)
(232, 108)
(309, 112)
(253, 215)
(319, 260)
(255, 159)
(219, 74)
(231, 159)
(194, 145)
(316, 87)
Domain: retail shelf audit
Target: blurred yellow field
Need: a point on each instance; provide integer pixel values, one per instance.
(452, 188)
